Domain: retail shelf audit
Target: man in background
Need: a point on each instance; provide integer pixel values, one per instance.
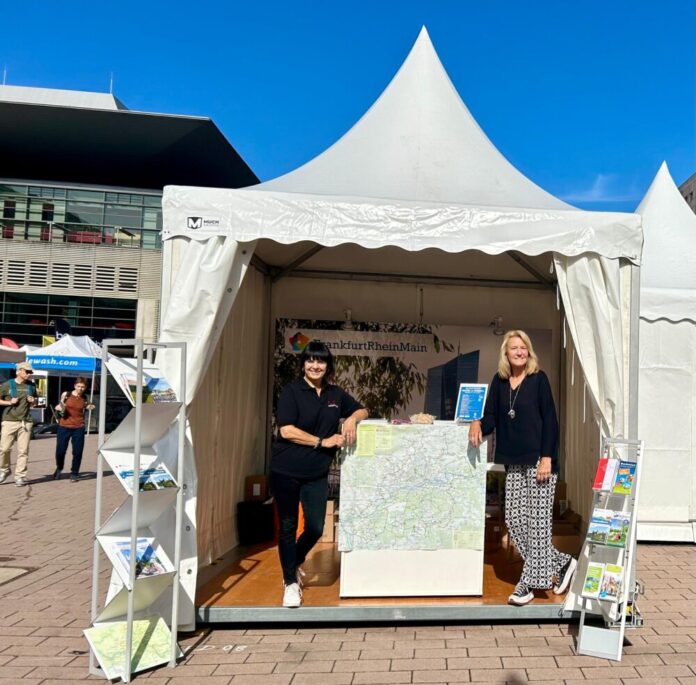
(17, 396)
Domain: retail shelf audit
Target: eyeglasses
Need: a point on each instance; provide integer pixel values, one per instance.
(27, 371)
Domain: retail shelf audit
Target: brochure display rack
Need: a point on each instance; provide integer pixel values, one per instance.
(605, 586)
(127, 636)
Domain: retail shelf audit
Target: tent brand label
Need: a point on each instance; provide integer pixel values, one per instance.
(361, 343)
(196, 222)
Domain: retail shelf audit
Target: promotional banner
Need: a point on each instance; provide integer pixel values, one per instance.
(396, 370)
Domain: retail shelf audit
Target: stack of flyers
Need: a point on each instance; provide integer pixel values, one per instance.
(612, 583)
(618, 529)
(598, 530)
(624, 478)
(606, 474)
(593, 579)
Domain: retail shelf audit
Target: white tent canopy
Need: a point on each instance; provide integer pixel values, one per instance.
(415, 190)
(667, 408)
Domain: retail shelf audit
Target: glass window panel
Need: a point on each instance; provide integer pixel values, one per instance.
(84, 213)
(9, 210)
(47, 211)
(152, 200)
(6, 189)
(152, 218)
(93, 195)
(118, 215)
(152, 240)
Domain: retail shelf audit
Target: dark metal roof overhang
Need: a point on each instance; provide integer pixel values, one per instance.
(116, 148)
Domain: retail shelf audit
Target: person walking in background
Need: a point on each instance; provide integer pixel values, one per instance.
(309, 414)
(17, 396)
(71, 427)
(520, 409)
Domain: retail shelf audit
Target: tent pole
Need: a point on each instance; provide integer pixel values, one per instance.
(542, 278)
(293, 265)
(633, 359)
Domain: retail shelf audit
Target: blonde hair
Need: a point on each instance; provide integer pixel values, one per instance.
(504, 370)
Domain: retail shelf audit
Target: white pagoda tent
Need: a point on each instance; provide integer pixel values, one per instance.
(667, 406)
(413, 215)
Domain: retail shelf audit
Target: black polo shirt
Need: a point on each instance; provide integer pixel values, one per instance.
(319, 415)
(533, 433)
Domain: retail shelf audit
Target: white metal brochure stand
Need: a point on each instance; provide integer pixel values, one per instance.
(126, 636)
(607, 641)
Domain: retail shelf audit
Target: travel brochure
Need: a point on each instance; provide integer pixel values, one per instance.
(603, 582)
(151, 478)
(608, 527)
(155, 387)
(615, 476)
(151, 645)
(147, 563)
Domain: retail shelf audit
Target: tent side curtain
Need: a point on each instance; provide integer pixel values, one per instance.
(202, 296)
(590, 288)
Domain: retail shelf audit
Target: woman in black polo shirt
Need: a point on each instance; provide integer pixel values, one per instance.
(520, 409)
(309, 413)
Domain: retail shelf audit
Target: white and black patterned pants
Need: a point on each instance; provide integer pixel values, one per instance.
(529, 517)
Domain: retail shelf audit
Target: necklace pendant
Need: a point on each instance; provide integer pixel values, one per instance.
(511, 413)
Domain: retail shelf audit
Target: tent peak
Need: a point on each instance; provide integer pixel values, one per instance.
(417, 142)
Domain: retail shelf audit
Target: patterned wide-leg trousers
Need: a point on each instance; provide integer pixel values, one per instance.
(529, 517)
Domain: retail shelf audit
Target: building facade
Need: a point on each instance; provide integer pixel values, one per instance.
(81, 182)
(688, 190)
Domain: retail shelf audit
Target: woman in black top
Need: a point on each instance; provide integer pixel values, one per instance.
(520, 409)
(309, 413)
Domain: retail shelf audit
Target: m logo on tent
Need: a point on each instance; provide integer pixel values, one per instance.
(194, 221)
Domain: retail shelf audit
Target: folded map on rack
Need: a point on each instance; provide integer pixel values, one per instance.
(624, 478)
(612, 583)
(593, 578)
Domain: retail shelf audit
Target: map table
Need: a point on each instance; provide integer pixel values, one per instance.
(412, 512)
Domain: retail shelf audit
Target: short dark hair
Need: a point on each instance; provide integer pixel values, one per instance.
(317, 350)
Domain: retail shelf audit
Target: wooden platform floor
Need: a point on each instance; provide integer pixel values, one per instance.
(252, 577)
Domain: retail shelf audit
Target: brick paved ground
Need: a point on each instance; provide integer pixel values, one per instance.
(48, 527)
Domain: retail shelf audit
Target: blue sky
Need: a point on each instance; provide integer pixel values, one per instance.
(586, 98)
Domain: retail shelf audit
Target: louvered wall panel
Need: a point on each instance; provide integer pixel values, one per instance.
(85, 270)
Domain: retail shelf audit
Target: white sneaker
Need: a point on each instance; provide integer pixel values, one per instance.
(21, 482)
(292, 596)
(3, 477)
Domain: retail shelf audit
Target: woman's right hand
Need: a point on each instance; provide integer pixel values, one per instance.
(336, 440)
(475, 434)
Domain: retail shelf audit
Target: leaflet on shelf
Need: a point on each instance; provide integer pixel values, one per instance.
(612, 583)
(603, 582)
(608, 527)
(151, 478)
(147, 563)
(593, 579)
(606, 474)
(625, 477)
(598, 530)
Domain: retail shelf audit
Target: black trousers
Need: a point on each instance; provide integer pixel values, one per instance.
(289, 492)
(65, 435)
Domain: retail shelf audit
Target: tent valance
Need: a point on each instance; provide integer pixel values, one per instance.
(246, 215)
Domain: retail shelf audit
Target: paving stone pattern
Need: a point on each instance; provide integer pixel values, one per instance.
(48, 525)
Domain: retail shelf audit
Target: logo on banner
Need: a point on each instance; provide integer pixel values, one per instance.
(194, 222)
(298, 341)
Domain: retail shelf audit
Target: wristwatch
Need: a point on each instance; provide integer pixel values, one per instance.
(317, 444)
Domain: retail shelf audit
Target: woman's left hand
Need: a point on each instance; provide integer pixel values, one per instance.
(349, 429)
(543, 472)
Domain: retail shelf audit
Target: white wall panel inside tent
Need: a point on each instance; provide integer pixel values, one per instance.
(667, 408)
(413, 213)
